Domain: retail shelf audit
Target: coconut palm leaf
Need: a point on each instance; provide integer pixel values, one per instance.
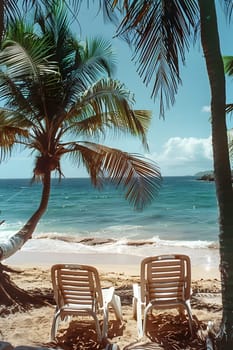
(159, 32)
(25, 60)
(228, 65)
(140, 178)
(229, 107)
(228, 8)
(12, 129)
(94, 60)
(107, 103)
(98, 54)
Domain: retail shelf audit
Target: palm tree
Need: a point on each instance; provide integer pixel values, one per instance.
(222, 170)
(62, 95)
(10, 9)
(160, 33)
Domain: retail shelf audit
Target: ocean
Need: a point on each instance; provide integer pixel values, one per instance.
(184, 214)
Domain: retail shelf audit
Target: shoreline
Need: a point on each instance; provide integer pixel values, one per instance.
(204, 268)
(104, 261)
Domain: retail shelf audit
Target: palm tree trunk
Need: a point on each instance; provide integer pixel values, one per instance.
(17, 241)
(214, 64)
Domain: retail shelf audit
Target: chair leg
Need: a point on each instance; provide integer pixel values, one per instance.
(134, 305)
(186, 306)
(181, 311)
(116, 305)
(52, 333)
(97, 326)
(55, 324)
(105, 324)
(190, 317)
(139, 320)
(147, 309)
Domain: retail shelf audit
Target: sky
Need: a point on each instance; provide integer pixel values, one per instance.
(180, 144)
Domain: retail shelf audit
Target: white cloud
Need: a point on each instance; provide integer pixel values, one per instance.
(184, 156)
(206, 109)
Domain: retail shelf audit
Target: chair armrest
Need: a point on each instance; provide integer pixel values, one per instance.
(137, 307)
(108, 294)
(110, 298)
(137, 291)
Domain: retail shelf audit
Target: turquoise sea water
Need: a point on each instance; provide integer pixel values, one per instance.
(183, 214)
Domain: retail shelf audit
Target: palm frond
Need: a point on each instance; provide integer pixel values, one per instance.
(12, 130)
(139, 177)
(109, 104)
(104, 6)
(228, 65)
(21, 63)
(227, 7)
(11, 10)
(27, 72)
(9, 90)
(101, 55)
(24, 53)
(96, 59)
(55, 24)
(229, 107)
(160, 32)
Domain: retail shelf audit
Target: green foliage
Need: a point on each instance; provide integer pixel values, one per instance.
(61, 91)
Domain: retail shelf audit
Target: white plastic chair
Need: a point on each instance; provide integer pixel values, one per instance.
(165, 283)
(77, 292)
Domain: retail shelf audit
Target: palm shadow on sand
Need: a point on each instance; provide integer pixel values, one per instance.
(170, 332)
(82, 335)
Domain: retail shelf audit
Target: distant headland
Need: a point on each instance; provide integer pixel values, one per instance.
(205, 175)
(208, 175)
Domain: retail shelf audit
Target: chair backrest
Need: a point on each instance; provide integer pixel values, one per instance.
(165, 277)
(77, 285)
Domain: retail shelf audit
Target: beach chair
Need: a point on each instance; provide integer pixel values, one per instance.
(77, 292)
(165, 283)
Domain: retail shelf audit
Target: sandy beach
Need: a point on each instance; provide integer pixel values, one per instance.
(121, 271)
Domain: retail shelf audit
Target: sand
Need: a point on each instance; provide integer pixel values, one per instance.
(32, 327)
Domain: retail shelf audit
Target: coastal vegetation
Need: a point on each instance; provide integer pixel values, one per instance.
(58, 98)
(161, 32)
